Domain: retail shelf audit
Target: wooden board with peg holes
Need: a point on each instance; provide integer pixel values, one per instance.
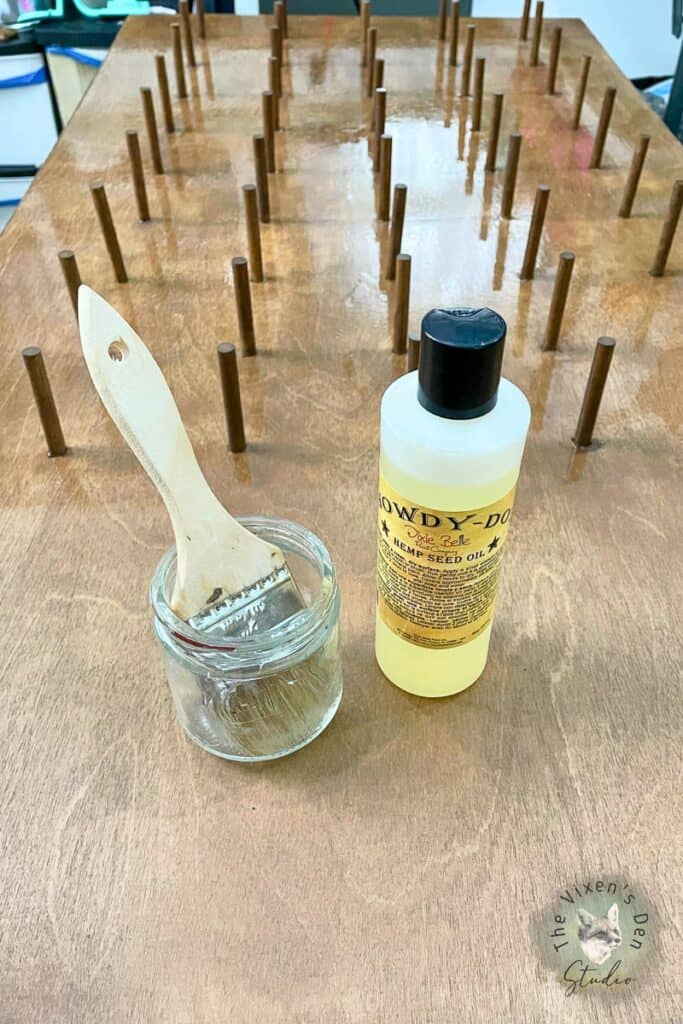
(393, 870)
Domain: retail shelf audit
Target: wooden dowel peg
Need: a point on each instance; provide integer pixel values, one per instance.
(268, 129)
(413, 358)
(364, 27)
(536, 36)
(245, 316)
(72, 277)
(494, 131)
(639, 154)
(524, 21)
(273, 74)
(467, 61)
(384, 177)
(478, 99)
(581, 92)
(668, 230)
(280, 20)
(372, 121)
(276, 48)
(184, 11)
(443, 18)
(378, 127)
(401, 305)
(398, 215)
(558, 301)
(201, 19)
(553, 59)
(510, 179)
(42, 392)
(279, 15)
(535, 232)
(378, 73)
(372, 54)
(603, 127)
(285, 19)
(232, 400)
(99, 198)
(152, 133)
(138, 174)
(261, 171)
(597, 378)
(164, 92)
(176, 39)
(378, 80)
(253, 231)
(455, 30)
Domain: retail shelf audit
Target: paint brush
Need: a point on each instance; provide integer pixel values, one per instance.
(228, 582)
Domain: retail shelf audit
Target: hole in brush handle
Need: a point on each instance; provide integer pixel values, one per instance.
(118, 351)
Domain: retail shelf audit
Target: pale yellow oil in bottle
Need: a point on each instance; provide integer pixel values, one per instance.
(420, 670)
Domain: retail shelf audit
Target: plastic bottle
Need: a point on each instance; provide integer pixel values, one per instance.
(451, 443)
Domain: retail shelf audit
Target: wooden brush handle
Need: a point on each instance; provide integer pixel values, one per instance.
(210, 543)
(138, 399)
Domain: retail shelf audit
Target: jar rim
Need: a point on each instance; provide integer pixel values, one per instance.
(279, 641)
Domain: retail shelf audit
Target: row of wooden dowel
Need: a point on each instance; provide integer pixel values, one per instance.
(232, 401)
(49, 417)
(381, 145)
(256, 205)
(369, 45)
(397, 265)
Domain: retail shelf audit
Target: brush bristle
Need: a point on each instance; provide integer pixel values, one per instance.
(261, 606)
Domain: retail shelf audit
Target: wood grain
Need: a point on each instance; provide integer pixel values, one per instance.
(390, 872)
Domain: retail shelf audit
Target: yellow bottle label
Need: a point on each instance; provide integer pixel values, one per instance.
(437, 572)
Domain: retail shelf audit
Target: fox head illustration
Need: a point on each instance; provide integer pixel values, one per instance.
(599, 936)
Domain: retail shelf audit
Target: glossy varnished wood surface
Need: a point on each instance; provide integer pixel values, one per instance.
(393, 870)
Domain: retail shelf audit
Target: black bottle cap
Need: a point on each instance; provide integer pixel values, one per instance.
(461, 354)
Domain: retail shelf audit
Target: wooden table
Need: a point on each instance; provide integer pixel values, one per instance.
(397, 869)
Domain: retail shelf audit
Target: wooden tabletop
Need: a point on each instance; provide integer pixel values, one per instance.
(398, 869)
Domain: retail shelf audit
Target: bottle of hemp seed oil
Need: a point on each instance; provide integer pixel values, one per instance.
(452, 436)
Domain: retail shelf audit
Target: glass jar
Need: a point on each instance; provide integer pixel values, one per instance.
(268, 694)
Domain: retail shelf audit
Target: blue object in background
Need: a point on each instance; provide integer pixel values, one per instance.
(37, 77)
(80, 58)
(69, 8)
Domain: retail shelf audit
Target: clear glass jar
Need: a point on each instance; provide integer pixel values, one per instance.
(268, 694)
